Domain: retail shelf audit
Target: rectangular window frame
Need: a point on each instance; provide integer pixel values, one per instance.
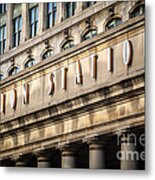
(2, 39)
(17, 30)
(3, 8)
(51, 14)
(33, 21)
(69, 8)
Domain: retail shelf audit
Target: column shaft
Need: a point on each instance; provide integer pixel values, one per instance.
(96, 156)
(128, 152)
(68, 159)
(20, 162)
(43, 161)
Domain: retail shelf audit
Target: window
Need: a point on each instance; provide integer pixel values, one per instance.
(88, 4)
(113, 23)
(17, 28)
(14, 70)
(1, 76)
(29, 63)
(2, 39)
(47, 54)
(33, 18)
(51, 14)
(2, 8)
(138, 11)
(69, 9)
(68, 45)
(90, 34)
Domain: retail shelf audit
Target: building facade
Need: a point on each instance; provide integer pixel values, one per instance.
(72, 85)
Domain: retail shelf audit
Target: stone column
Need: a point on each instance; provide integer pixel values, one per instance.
(9, 27)
(68, 157)
(25, 22)
(20, 162)
(128, 151)
(43, 160)
(96, 154)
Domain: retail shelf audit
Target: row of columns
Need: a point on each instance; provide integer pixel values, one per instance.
(41, 22)
(97, 155)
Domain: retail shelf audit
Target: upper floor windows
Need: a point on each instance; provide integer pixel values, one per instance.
(113, 23)
(2, 39)
(1, 76)
(67, 45)
(47, 54)
(51, 14)
(138, 11)
(33, 21)
(88, 4)
(2, 8)
(17, 29)
(14, 70)
(69, 9)
(29, 63)
(89, 34)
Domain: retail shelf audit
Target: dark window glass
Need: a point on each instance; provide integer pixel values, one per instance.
(1, 77)
(29, 63)
(69, 9)
(2, 39)
(14, 70)
(138, 11)
(47, 54)
(33, 18)
(51, 14)
(113, 23)
(88, 35)
(68, 45)
(88, 4)
(17, 29)
(2, 8)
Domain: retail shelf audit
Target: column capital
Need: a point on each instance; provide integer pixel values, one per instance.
(94, 140)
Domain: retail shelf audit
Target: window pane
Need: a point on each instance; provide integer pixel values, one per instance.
(20, 23)
(30, 63)
(32, 15)
(113, 23)
(36, 13)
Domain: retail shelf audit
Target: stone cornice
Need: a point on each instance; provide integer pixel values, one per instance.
(104, 37)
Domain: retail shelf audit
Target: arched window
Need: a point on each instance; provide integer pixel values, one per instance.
(14, 70)
(138, 11)
(113, 23)
(47, 54)
(89, 34)
(29, 63)
(1, 76)
(67, 45)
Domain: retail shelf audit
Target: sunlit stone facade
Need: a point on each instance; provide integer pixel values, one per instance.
(72, 85)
